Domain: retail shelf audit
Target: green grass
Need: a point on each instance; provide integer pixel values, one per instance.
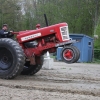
(96, 61)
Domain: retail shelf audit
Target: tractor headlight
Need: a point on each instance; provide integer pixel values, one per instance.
(64, 33)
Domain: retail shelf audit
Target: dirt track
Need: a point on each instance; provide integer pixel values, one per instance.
(64, 82)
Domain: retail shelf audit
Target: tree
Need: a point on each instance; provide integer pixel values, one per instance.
(10, 13)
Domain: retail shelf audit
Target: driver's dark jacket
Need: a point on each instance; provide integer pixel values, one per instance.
(3, 33)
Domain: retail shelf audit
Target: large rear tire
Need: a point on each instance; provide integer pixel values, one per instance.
(33, 69)
(70, 54)
(11, 58)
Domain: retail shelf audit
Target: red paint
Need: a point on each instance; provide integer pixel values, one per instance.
(68, 54)
(53, 29)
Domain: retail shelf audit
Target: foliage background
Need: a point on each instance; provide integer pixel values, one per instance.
(82, 16)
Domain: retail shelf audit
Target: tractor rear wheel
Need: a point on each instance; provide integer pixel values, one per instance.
(70, 54)
(11, 58)
(33, 69)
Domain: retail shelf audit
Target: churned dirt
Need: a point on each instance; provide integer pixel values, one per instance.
(79, 81)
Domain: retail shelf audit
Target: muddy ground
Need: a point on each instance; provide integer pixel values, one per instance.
(77, 81)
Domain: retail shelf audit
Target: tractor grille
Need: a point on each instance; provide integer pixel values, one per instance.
(64, 33)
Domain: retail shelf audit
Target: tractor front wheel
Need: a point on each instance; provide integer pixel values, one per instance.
(70, 54)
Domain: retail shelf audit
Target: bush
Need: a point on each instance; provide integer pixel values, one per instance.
(96, 53)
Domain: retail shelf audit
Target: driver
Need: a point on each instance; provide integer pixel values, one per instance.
(4, 33)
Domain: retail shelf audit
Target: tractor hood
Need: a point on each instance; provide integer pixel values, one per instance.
(60, 30)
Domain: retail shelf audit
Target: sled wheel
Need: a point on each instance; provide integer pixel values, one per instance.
(33, 69)
(70, 54)
(11, 58)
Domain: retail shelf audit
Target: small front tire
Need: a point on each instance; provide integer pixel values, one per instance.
(70, 54)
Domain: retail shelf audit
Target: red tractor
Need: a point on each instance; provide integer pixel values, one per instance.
(25, 54)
